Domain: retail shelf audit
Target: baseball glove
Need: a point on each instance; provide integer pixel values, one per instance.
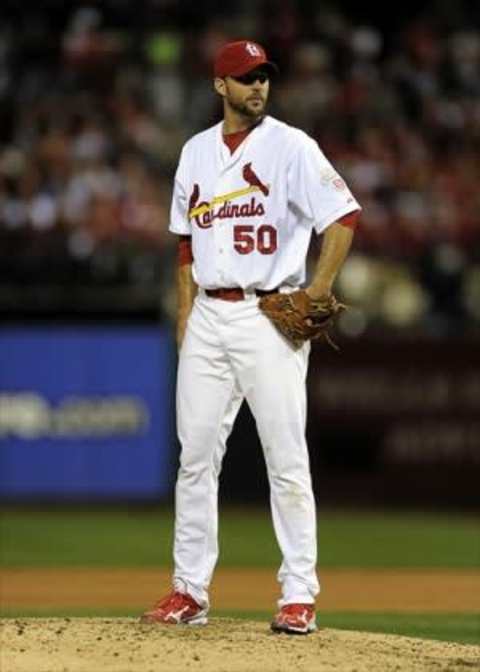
(300, 318)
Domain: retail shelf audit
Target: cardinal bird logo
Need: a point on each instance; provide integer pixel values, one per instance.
(253, 180)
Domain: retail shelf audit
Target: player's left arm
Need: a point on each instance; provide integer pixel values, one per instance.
(319, 193)
(336, 244)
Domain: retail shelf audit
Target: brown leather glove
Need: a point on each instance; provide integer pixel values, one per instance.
(300, 318)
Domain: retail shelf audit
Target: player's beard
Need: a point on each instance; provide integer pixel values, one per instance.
(251, 112)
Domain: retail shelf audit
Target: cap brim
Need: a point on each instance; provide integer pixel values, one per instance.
(268, 66)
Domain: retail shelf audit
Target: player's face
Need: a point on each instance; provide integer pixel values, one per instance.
(248, 94)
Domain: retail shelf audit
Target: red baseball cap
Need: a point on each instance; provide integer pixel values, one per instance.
(238, 58)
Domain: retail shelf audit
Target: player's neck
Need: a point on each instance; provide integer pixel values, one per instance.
(234, 121)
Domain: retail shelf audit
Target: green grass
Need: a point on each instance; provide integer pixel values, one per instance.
(121, 538)
(461, 628)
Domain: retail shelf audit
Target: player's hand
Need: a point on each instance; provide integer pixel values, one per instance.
(299, 318)
(319, 293)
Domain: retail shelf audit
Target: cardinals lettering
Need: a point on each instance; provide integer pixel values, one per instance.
(204, 213)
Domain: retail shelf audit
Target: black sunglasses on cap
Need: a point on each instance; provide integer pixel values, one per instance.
(251, 77)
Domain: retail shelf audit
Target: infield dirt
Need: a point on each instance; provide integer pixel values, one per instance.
(360, 590)
(225, 645)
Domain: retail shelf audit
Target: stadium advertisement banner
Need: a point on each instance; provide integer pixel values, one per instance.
(86, 413)
(411, 404)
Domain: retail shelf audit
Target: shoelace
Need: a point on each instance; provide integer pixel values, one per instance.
(295, 609)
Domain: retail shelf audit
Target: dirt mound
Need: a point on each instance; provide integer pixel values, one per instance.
(225, 645)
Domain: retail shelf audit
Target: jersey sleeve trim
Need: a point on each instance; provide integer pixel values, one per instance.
(179, 230)
(179, 222)
(332, 217)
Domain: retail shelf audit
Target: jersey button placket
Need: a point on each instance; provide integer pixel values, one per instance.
(222, 242)
(220, 256)
(221, 235)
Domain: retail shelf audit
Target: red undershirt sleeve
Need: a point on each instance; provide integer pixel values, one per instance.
(350, 220)
(185, 254)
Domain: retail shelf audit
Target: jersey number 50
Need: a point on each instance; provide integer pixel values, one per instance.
(245, 240)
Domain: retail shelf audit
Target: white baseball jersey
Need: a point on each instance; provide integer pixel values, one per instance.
(251, 214)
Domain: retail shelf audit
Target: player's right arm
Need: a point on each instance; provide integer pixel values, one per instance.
(186, 287)
(180, 225)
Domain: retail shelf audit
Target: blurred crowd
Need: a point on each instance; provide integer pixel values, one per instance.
(96, 100)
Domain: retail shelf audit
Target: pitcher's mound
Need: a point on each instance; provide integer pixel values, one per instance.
(225, 645)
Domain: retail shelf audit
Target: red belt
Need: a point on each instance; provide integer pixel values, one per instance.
(235, 293)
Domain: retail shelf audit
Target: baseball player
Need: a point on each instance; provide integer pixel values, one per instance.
(248, 193)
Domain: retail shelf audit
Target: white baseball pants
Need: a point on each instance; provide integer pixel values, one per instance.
(231, 351)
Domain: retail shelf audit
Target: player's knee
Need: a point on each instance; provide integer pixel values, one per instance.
(295, 487)
(196, 457)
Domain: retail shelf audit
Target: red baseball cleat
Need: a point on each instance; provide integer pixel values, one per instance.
(175, 609)
(295, 619)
